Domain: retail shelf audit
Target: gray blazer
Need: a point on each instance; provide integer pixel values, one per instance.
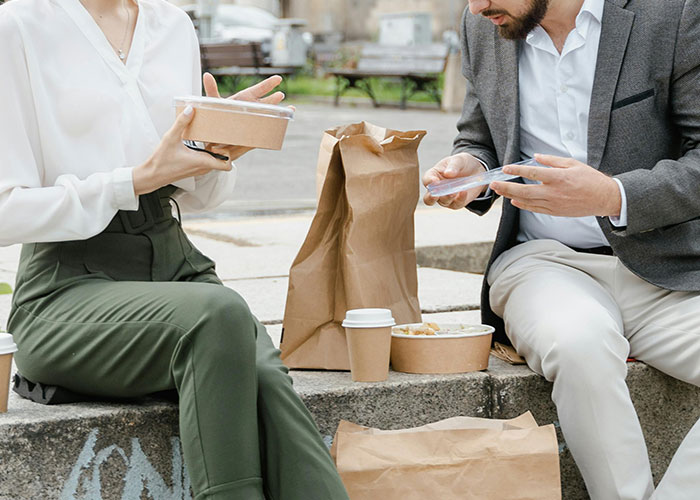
(643, 129)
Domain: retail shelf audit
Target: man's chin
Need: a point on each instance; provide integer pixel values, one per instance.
(507, 31)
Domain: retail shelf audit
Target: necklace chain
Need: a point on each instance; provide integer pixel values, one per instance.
(120, 51)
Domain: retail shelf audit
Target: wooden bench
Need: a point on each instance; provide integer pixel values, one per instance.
(237, 60)
(417, 67)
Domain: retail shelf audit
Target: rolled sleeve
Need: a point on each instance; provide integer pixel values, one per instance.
(123, 184)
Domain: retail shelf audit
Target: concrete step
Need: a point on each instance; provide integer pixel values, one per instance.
(438, 291)
(131, 450)
(267, 246)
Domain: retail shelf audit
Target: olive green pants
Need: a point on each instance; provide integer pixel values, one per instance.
(137, 310)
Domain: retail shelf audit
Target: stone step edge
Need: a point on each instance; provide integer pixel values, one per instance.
(306, 383)
(466, 257)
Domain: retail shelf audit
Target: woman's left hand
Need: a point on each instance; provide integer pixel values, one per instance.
(257, 93)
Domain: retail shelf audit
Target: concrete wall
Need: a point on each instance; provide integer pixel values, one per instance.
(273, 6)
(357, 19)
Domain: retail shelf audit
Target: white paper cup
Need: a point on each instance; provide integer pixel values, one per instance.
(7, 349)
(368, 333)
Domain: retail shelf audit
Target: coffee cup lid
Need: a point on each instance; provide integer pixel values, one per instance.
(368, 318)
(7, 346)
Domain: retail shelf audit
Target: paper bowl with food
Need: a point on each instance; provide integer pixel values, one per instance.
(235, 123)
(440, 348)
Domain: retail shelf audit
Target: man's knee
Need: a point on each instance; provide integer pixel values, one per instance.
(582, 347)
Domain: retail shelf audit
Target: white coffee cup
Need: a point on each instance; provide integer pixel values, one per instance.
(7, 349)
(368, 333)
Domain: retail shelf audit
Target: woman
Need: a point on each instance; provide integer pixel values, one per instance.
(112, 299)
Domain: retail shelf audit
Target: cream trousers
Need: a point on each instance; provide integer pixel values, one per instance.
(576, 318)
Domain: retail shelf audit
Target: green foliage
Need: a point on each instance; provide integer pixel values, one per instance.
(305, 85)
(5, 289)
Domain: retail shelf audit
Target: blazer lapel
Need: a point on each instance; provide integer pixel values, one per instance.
(506, 52)
(615, 30)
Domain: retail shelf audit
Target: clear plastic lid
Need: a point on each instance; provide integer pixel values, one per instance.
(452, 186)
(232, 105)
(453, 330)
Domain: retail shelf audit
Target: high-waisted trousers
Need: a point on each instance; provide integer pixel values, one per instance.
(137, 310)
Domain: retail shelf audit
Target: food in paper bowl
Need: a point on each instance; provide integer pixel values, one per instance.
(440, 348)
(236, 123)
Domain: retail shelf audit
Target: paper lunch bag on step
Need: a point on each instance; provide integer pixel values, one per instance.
(359, 251)
(454, 459)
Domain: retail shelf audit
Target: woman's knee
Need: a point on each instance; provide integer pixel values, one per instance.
(225, 324)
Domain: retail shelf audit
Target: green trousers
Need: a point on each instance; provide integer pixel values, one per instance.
(137, 310)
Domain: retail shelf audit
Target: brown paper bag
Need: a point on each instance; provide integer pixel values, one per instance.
(507, 353)
(359, 251)
(458, 458)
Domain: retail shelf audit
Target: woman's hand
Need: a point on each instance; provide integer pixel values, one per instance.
(256, 93)
(172, 160)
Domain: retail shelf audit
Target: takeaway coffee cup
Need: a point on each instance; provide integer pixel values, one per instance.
(7, 349)
(368, 333)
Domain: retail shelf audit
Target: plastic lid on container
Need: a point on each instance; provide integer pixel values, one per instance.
(368, 318)
(233, 105)
(7, 345)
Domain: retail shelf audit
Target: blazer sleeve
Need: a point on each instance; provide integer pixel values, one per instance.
(667, 194)
(212, 189)
(474, 136)
(31, 211)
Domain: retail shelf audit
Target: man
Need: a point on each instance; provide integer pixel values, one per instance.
(597, 257)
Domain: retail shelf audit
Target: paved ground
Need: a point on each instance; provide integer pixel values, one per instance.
(285, 180)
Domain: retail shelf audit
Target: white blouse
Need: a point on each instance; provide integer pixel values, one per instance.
(75, 120)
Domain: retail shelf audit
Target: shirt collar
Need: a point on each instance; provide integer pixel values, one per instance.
(590, 10)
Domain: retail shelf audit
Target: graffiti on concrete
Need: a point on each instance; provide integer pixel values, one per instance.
(84, 481)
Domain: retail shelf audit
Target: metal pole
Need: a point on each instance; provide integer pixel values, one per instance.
(453, 14)
(206, 14)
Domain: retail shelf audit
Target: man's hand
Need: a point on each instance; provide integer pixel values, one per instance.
(459, 165)
(569, 189)
(256, 93)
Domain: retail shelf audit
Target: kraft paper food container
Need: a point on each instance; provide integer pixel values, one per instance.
(236, 123)
(7, 349)
(455, 349)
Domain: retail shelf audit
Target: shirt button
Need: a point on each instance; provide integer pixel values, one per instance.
(570, 136)
(564, 89)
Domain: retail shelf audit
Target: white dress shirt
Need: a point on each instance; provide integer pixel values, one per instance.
(75, 120)
(555, 95)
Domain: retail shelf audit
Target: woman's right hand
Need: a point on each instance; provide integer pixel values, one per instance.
(173, 161)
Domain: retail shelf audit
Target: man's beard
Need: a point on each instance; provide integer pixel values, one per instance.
(517, 28)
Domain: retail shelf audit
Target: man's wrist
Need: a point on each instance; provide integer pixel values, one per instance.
(485, 190)
(614, 198)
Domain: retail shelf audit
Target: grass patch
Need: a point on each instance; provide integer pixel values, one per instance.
(304, 85)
